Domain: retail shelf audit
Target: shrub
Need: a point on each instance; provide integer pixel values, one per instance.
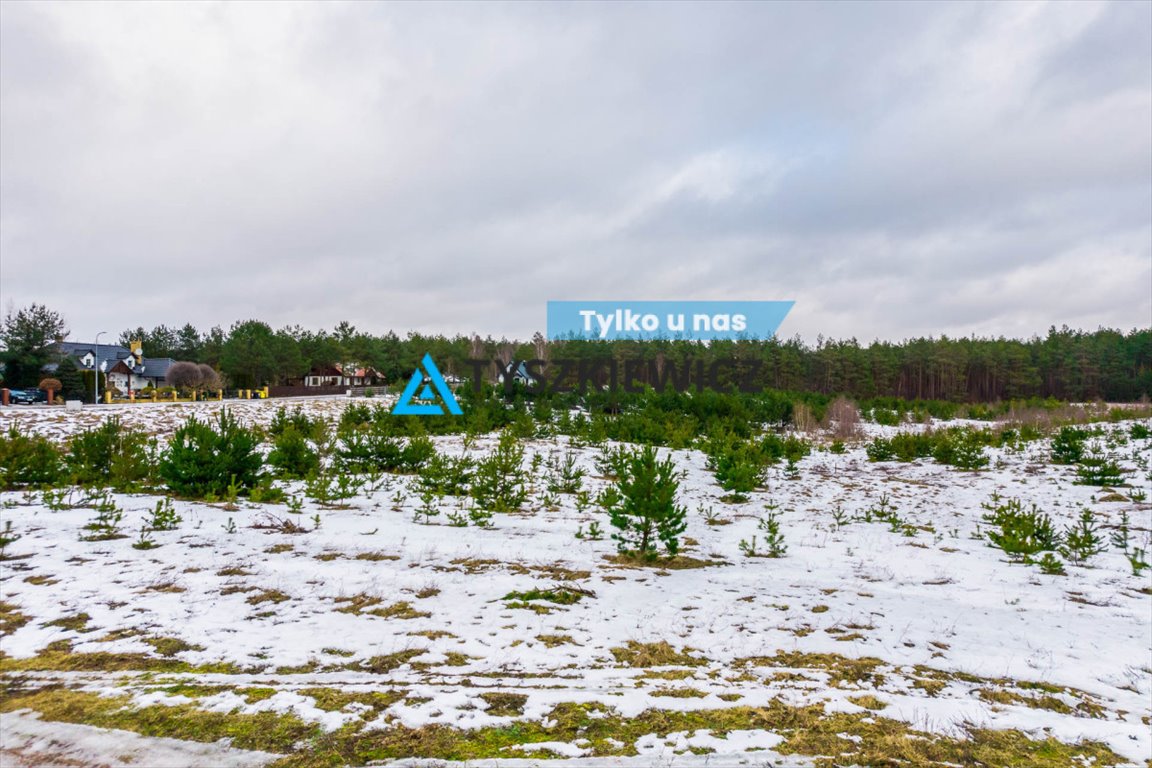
(416, 452)
(203, 460)
(642, 505)
(28, 460)
(111, 454)
(499, 482)
(51, 385)
(1020, 532)
(292, 455)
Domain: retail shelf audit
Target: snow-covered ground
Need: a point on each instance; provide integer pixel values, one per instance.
(295, 612)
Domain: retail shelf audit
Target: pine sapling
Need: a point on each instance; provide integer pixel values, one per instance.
(164, 517)
(1020, 532)
(1137, 558)
(1121, 535)
(1081, 541)
(642, 505)
(773, 538)
(1051, 565)
(144, 541)
(106, 525)
(7, 537)
(429, 507)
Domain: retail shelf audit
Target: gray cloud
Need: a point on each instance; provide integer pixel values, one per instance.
(897, 169)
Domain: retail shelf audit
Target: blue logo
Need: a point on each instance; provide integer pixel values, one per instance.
(426, 378)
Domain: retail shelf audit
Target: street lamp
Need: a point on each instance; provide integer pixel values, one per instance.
(96, 370)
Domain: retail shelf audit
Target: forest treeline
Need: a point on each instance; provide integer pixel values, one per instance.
(1065, 364)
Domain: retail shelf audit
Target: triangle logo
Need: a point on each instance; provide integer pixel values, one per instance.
(436, 385)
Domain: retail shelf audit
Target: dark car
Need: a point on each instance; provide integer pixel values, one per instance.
(27, 396)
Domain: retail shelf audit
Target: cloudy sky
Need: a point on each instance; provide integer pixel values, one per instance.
(896, 169)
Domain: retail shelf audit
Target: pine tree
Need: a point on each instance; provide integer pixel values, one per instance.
(71, 383)
(643, 506)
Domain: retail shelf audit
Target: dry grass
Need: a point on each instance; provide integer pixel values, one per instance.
(661, 654)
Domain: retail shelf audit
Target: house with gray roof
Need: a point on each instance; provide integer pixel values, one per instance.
(124, 369)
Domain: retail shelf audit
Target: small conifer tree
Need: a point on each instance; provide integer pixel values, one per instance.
(643, 508)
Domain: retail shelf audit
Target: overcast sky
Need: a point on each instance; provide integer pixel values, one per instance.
(896, 169)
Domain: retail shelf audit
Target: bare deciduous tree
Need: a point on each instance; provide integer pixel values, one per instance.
(803, 419)
(842, 419)
(209, 378)
(184, 375)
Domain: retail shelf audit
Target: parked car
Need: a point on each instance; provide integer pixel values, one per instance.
(27, 396)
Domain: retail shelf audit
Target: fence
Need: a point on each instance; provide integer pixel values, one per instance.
(302, 391)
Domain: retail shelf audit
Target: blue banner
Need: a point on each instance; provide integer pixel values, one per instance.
(644, 320)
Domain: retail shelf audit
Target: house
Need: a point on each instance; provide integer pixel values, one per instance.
(342, 376)
(324, 376)
(516, 373)
(125, 369)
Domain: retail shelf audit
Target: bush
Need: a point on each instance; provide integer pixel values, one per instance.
(28, 460)
(201, 460)
(642, 505)
(292, 455)
(111, 454)
(51, 385)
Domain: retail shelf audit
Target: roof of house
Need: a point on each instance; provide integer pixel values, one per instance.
(104, 352)
(110, 354)
(155, 367)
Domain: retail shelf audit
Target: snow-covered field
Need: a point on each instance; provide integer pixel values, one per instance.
(927, 626)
